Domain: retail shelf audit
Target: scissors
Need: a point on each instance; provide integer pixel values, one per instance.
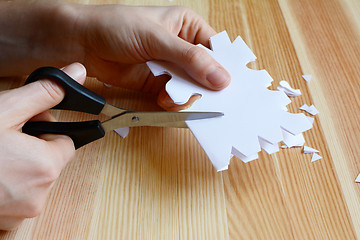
(79, 98)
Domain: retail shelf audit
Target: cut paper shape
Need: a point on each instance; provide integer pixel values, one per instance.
(123, 132)
(254, 116)
(315, 157)
(310, 150)
(288, 90)
(268, 147)
(358, 179)
(312, 110)
(291, 140)
(307, 78)
(311, 119)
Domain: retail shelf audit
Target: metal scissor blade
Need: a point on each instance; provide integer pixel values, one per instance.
(159, 119)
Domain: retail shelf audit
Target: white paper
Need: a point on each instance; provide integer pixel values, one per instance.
(312, 110)
(310, 150)
(254, 116)
(123, 132)
(315, 157)
(311, 119)
(358, 179)
(268, 147)
(288, 90)
(307, 78)
(291, 140)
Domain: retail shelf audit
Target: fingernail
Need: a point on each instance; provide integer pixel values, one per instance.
(75, 70)
(217, 77)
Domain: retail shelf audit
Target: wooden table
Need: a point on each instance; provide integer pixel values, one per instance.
(158, 183)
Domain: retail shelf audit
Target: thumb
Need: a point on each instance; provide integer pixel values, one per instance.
(37, 97)
(195, 61)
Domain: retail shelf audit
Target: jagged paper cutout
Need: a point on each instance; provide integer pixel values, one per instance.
(254, 116)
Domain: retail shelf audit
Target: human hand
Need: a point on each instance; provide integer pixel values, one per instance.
(29, 165)
(118, 40)
(113, 42)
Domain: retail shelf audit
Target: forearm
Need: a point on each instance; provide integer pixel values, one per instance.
(35, 33)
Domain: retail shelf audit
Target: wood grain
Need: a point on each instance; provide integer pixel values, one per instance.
(158, 183)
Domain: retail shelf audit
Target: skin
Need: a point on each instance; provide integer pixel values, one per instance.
(113, 42)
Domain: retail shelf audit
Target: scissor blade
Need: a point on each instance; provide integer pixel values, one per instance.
(159, 119)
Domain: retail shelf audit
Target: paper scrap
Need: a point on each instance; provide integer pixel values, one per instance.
(307, 78)
(291, 140)
(311, 119)
(288, 90)
(315, 157)
(358, 179)
(312, 110)
(123, 132)
(310, 150)
(268, 147)
(108, 85)
(254, 118)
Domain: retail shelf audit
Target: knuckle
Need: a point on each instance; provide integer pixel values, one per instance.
(189, 14)
(51, 90)
(11, 226)
(33, 209)
(184, 10)
(47, 174)
(194, 54)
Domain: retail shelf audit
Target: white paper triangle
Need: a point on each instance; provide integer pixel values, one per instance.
(310, 150)
(358, 179)
(315, 157)
(123, 132)
(307, 78)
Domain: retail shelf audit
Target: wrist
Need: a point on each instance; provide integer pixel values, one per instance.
(58, 39)
(47, 34)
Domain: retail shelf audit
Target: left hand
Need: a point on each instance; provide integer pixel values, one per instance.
(113, 42)
(118, 40)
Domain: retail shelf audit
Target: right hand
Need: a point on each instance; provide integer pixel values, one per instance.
(29, 165)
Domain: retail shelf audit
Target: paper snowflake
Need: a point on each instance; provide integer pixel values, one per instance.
(254, 118)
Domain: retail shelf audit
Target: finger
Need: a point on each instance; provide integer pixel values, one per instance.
(194, 60)
(44, 116)
(61, 148)
(32, 99)
(195, 29)
(129, 76)
(10, 223)
(165, 101)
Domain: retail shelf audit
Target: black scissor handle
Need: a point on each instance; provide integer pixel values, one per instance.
(77, 97)
(81, 133)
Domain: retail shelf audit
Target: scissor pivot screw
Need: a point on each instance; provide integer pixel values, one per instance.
(135, 119)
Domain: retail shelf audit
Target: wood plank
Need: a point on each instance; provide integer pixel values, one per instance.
(328, 47)
(158, 183)
(292, 210)
(171, 192)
